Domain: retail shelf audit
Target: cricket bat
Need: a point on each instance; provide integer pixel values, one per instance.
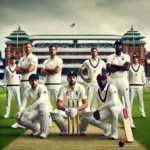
(77, 118)
(68, 119)
(73, 119)
(127, 125)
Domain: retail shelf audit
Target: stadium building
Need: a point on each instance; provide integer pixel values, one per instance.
(74, 49)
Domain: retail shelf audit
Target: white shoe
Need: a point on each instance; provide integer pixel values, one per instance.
(143, 116)
(107, 132)
(43, 135)
(34, 133)
(6, 116)
(133, 126)
(114, 136)
(50, 122)
(16, 125)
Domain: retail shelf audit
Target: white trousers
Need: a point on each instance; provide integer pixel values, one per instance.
(53, 93)
(139, 92)
(122, 86)
(114, 114)
(90, 93)
(16, 92)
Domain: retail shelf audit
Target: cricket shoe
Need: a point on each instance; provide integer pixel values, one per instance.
(133, 126)
(114, 136)
(43, 135)
(63, 134)
(83, 134)
(107, 132)
(34, 133)
(16, 125)
(143, 116)
(6, 116)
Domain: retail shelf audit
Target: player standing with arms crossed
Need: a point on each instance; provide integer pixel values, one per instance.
(94, 66)
(26, 66)
(137, 81)
(12, 81)
(117, 65)
(52, 68)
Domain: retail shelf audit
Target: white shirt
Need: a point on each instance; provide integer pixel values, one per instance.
(55, 79)
(118, 60)
(94, 68)
(25, 62)
(65, 93)
(137, 76)
(33, 97)
(108, 98)
(11, 79)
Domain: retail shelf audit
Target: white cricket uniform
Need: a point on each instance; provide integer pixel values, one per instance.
(24, 63)
(94, 68)
(137, 80)
(12, 82)
(65, 93)
(34, 97)
(111, 108)
(120, 78)
(53, 82)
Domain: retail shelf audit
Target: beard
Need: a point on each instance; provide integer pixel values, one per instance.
(102, 86)
(72, 83)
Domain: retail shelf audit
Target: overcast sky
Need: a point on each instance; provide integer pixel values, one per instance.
(90, 16)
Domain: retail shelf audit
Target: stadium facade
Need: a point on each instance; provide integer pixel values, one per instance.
(74, 49)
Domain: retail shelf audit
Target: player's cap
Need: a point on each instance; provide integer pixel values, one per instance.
(118, 42)
(101, 76)
(71, 73)
(12, 57)
(33, 76)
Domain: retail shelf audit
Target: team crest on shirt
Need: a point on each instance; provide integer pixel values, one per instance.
(44, 92)
(67, 93)
(29, 98)
(114, 91)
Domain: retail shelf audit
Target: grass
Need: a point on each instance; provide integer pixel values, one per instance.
(141, 133)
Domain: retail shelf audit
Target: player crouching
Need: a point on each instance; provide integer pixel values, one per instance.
(111, 108)
(35, 106)
(69, 93)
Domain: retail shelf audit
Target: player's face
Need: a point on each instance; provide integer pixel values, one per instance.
(13, 61)
(102, 83)
(28, 48)
(72, 80)
(118, 48)
(34, 83)
(53, 51)
(94, 53)
(135, 60)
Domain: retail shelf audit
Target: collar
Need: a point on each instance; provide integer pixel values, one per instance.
(75, 88)
(122, 54)
(104, 88)
(30, 55)
(93, 59)
(52, 59)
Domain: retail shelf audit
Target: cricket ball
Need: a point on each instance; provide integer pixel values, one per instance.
(121, 143)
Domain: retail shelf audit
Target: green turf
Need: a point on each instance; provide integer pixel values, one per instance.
(141, 133)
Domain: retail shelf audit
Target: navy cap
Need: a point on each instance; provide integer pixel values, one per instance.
(33, 76)
(71, 73)
(12, 57)
(101, 76)
(134, 55)
(118, 42)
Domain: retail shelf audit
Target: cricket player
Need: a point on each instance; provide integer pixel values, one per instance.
(52, 68)
(74, 90)
(111, 108)
(12, 86)
(137, 81)
(35, 106)
(94, 66)
(117, 65)
(26, 66)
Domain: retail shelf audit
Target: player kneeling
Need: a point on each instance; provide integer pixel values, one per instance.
(39, 108)
(111, 108)
(71, 101)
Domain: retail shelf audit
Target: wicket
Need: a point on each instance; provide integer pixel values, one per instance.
(71, 104)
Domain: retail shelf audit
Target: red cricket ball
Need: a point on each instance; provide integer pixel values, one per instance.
(121, 143)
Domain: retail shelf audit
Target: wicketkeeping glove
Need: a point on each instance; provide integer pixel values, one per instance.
(96, 115)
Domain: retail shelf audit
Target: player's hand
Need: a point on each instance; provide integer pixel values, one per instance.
(126, 64)
(17, 68)
(145, 88)
(87, 80)
(96, 115)
(71, 112)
